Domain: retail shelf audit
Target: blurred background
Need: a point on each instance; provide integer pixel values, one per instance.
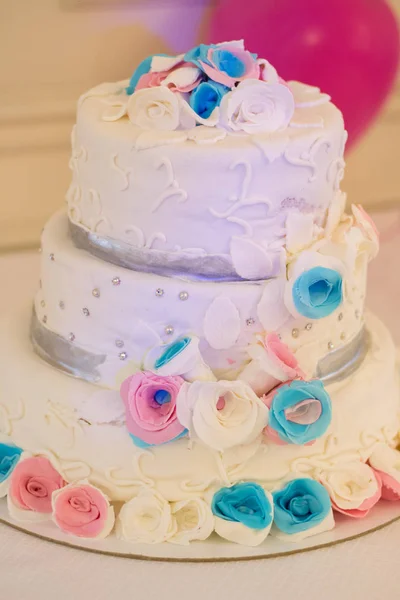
(53, 50)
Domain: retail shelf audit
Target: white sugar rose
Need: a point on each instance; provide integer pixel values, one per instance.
(158, 108)
(353, 487)
(222, 414)
(147, 519)
(257, 107)
(194, 521)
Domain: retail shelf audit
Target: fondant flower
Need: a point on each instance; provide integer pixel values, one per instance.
(206, 97)
(82, 510)
(150, 408)
(367, 226)
(386, 463)
(353, 487)
(301, 508)
(32, 484)
(147, 519)
(272, 362)
(155, 63)
(222, 414)
(267, 71)
(158, 108)
(243, 513)
(194, 521)
(257, 107)
(300, 412)
(183, 79)
(314, 287)
(225, 63)
(9, 457)
(183, 358)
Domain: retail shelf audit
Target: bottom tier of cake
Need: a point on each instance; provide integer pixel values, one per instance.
(80, 428)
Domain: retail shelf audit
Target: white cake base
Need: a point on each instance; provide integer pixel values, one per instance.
(214, 549)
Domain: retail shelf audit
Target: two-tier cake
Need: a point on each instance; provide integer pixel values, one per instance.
(205, 289)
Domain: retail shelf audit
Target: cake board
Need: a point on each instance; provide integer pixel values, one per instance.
(214, 549)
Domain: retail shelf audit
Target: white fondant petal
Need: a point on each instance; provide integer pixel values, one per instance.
(271, 309)
(4, 485)
(206, 135)
(222, 323)
(250, 260)
(154, 139)
(165, 63)
(182, 77)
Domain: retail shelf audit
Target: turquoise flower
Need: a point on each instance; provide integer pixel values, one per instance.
(9, 457)
(300, 412)
(301, 505)
(317, 292)
(206, 97)
(244, 503)
(225, 63)
(172, 351)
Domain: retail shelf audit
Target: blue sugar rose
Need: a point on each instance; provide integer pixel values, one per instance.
(244, 503)
(301, 505)
(9, 457)
(206, 97)
(317, 292)
(300, 412)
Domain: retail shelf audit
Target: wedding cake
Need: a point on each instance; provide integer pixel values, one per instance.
(198, 360)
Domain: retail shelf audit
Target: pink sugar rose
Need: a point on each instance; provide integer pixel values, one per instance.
(236, 50)
(282, 357)
(32, 483)
(183, 77)
(150, 407)
(83, 510)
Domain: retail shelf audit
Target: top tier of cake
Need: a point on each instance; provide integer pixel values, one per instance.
(200, 182)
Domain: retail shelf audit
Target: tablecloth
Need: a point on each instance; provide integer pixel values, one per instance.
(367, 568)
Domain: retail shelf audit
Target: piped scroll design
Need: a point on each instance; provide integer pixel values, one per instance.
(124, 173)
(172, 188)
(243, 199)
(307, 157)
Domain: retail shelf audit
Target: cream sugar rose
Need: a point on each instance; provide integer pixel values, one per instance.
(205, 191)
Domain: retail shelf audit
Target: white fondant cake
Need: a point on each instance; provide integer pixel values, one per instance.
(206, 291)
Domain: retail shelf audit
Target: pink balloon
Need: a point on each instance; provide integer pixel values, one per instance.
(348, 48)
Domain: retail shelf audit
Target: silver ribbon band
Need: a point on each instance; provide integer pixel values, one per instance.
(340, 363)
(69, 358)
(184, 265)
(63, 354)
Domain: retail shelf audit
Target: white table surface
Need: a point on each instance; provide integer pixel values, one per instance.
(367, 568)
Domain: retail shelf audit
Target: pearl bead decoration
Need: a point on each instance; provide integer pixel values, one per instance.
(331, 345)
(295, 333)
(159, 292)
(122, 356)
(183, 296)
(96, 293)
(71, 337)
(86, 312)
(250, 321)
(119, 343)
(169, 330)
(115, 281)
(308, 326)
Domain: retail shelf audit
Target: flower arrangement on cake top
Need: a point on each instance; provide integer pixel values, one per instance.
(217, 85)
